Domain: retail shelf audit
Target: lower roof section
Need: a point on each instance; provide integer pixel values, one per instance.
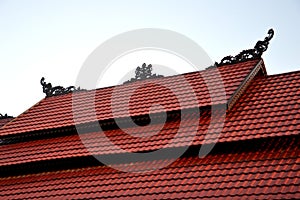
(269, 171)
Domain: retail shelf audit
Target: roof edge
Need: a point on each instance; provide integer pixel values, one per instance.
(284, 73)
(243, 86)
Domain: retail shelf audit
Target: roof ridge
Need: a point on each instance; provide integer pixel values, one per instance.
(284, 73)
(209, 68)
(143, 80)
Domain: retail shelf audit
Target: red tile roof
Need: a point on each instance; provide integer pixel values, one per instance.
(257, 153)
(5, 121)
(55, 112)
(269, 108)
(270, 171)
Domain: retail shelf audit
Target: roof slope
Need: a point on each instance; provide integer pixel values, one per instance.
(55, 112)
(268, 171)
(269, 108)
(257, 153)
(4, 121)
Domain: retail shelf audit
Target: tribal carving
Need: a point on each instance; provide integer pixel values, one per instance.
(249, 54)
(57, 90)
(144, 72)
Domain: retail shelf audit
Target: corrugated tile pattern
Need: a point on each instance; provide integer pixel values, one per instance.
(5, 121)
(269, 108)
(55, 112)
(266, 173)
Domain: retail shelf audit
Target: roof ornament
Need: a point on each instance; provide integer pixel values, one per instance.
(5, 116)
(57, 90)
(249, 54)
(144, 72)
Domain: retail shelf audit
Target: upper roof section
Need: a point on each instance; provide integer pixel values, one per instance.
(56, 111)
(220, 84)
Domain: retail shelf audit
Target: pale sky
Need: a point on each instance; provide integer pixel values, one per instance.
(52, 38)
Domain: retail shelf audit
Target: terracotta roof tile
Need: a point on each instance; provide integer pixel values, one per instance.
(264, 173)
(5, 121)
(54, 112)
(248, 119)
(268, 110)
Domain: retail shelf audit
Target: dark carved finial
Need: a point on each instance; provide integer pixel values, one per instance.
(144, 72)
(57, 90)
(249, 54)
(5, 116)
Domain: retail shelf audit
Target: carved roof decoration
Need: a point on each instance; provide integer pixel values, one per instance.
(249, 54)
(5, 116)
(57, 90)
(144, 72)
(252, 149)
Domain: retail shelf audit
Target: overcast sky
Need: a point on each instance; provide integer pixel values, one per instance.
(53, 38)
